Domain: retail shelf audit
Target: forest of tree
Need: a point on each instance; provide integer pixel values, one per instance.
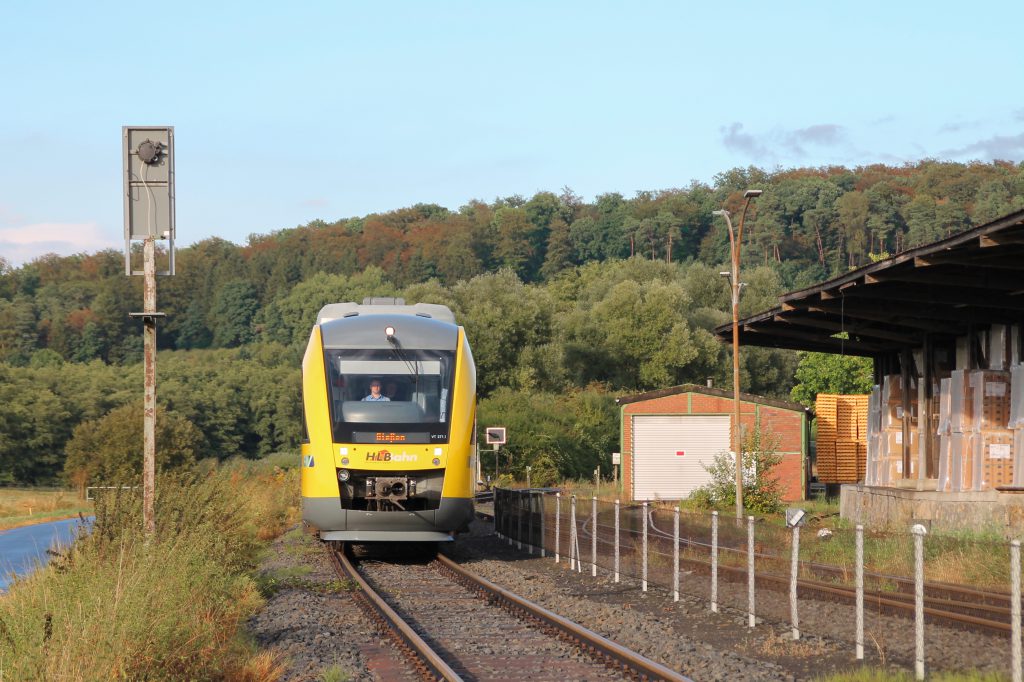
(558, 295)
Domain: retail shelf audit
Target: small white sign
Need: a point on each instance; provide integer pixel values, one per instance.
(999, 451)
(616, 458)
(995, 389)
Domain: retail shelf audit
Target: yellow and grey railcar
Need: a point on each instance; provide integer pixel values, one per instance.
(399, 469)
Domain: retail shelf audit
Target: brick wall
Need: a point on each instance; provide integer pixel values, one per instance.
(782, 424)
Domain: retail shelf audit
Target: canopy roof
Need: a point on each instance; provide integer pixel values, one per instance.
(941, 289)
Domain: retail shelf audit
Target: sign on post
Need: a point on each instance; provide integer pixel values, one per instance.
(495, 435)
(148, 164)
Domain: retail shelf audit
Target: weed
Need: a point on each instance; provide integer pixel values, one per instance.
(334, 673)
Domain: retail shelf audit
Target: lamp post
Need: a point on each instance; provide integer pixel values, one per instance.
(735, 241)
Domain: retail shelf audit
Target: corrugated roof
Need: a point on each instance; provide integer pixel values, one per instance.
(940, 289)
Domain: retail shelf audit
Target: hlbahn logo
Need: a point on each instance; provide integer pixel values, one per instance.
(385, 456)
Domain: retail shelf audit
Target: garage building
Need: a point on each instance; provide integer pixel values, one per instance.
(668, 436)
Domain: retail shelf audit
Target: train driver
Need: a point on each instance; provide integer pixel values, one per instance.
(375, 394)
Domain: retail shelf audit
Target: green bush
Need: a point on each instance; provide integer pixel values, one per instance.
(761, 491)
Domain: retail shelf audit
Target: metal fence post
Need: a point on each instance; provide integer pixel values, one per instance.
(675, 557)
(643, 580)
(519, 519)
(593, 537)
(558, 524)
(793, 570)
(859, 572)
(1015, 645)
(529, 521)
(714, 562)
(750, 571)
(508, 521)
(543, 525)
(919, 532)
(572, 533)
(616, 541)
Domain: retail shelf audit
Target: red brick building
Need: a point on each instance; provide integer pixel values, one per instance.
(669, 435)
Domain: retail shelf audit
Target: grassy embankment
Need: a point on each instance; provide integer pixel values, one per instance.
(119, 606)
(25, 506)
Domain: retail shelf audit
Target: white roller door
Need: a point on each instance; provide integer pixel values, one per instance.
(659, 470)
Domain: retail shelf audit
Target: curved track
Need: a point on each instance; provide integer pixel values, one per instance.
(455, 625)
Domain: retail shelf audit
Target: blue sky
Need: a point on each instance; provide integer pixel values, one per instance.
(330, 110)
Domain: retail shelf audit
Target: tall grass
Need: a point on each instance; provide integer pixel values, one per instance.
(120, 605)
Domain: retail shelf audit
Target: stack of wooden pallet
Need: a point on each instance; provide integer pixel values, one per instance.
(842, 437)
(826, 407)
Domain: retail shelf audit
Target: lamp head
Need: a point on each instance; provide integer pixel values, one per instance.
(752, 193)
(721, 212)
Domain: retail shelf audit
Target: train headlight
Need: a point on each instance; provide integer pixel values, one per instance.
(437, 462)
(344, 475)
(344, 460)
(389, 332)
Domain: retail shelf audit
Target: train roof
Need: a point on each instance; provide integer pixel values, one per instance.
(423, 325)
(384, 306)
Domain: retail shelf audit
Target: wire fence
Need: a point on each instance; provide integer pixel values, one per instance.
(775, 574)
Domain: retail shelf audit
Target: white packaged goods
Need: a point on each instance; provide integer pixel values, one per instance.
(1016, 419)
(943, 482)
(958, 420)
(944, 400)
(997, 346)
(990, 400)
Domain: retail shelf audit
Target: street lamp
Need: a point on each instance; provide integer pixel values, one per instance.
(735, 241)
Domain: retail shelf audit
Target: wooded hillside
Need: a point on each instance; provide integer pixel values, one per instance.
(557, 294)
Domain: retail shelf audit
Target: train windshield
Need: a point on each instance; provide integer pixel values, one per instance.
(390, 395)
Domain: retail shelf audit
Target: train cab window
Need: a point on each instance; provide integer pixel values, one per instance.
(410, 404)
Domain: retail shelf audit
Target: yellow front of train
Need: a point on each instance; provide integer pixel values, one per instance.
(389, 402)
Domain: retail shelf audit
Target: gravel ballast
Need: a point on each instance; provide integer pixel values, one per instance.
(312, 623)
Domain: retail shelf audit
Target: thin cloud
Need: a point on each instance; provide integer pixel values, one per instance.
(822, 135)
(995, 147)
(782, 143)
(316, 202)
(1018, 115)
(23, 243)
(736, 140)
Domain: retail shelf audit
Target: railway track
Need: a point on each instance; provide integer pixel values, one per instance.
(951, 604)
(455, 625)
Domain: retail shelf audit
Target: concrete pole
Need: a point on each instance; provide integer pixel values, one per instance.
(1015, 644)
(919, 533)
(750, 571)
(149, 399)
(593, 537)
(643, 580)
(859, 569)
(675, 557)
(558, 524)
(616, 541)
(714, 562)
(794, 570)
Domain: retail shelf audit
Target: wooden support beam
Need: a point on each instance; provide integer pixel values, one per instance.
(937, 295)
(907, 338)
(896, 312)
(977, 277)
(811, 337)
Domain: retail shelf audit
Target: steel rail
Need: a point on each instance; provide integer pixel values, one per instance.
(427, 660)
(589, 640)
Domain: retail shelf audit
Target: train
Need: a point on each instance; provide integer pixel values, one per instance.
(389, 416)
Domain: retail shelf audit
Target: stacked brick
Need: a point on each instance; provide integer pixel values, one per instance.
(842, 437)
